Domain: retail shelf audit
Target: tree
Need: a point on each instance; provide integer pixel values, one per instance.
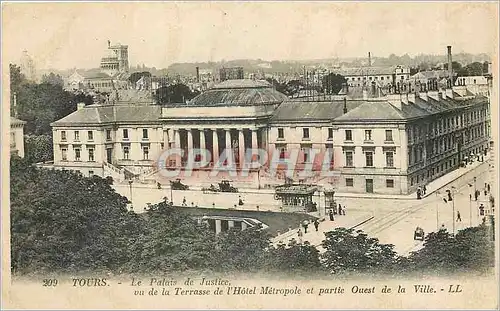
(473, 69)
(470, 249)
(241, 251)
(64, 222)
(294, 258)
(53, 79)
(176, 93)
(170, 241)
(280, 87)
(38, 148)
(333, 83)
(41, 104)
(349, 250)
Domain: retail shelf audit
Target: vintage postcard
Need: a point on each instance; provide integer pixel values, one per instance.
(249, 155)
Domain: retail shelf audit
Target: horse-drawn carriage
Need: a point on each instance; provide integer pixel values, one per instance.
(178, 185)
(419, 234)
(223, 186)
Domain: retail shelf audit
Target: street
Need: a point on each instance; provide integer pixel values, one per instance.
(392, 221)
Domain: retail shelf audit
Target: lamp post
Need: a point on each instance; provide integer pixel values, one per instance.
(453, 206)
(171, 194)
(437, 210)
(130, 181)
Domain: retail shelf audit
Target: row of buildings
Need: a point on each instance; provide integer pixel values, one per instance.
(385, 143)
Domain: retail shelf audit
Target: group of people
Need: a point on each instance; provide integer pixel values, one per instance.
(305, 225)
(333, 211)
(421, 191)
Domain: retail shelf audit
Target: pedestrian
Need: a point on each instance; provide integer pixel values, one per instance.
(257, 208)
(340, 209)
(300, 234)
(424, 189)
(481, 209)
(305, 224)
(316, 224)
(470, 196)
(476, 194)
(485, 192)
(488, 187)
(330, 213)
(213, 205)
(343, 210)
(459, 219)
(184, 201)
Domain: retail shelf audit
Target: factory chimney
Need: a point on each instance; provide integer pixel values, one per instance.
(369, 59)
(197, 74)
(450, 68)
(345, 105)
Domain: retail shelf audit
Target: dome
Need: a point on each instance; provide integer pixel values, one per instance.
(239, 93)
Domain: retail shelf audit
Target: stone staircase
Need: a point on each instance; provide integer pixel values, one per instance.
(110, 170)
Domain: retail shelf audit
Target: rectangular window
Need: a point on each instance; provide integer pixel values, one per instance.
(77, 154)
(282, 150)
(91, 155)
(369, 158)
(305, 132)
(77, 135)
(389, 183)
(389, 159)
(368, 135)
(330, 133)
(145, 153)
(90, 135)
(388, 135)
(126, 152)
(349, 159)
(145, 133)
(63, 135)
(349, 182)
(108, 134)
(64, 154)
(348, 135)
(125, 133)
(281, 133)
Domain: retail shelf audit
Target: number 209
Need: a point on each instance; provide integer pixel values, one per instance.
(49, 282)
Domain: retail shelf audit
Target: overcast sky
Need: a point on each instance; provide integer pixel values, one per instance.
(67, 35)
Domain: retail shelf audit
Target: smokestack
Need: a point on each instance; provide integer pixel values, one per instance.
(197, 74)
(450, 69)
(369, 59)
(345, 105)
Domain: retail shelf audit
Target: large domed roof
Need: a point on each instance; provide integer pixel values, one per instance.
(239, 93)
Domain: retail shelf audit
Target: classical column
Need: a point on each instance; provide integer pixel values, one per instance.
(241, 147)
(228, 139)
(190, 139)
(215, 145)
(254, 144)
(177, 136)
(203, 145)
(218, 226)
(254, 139)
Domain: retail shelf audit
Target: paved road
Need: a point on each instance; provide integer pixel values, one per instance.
(394, 220)
(431, 213)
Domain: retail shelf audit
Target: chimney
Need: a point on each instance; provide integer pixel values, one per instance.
(411, 98)
(80, 106)
(423, 96)
(395, 100)
(345, 105)
(404, 98)
(197, 74)
(450, 68)
(369, 59)
(14, 105)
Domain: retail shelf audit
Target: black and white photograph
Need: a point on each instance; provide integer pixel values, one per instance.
(249, 155)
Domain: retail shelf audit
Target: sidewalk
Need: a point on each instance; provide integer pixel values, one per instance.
(432, 187)
(314, 237)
